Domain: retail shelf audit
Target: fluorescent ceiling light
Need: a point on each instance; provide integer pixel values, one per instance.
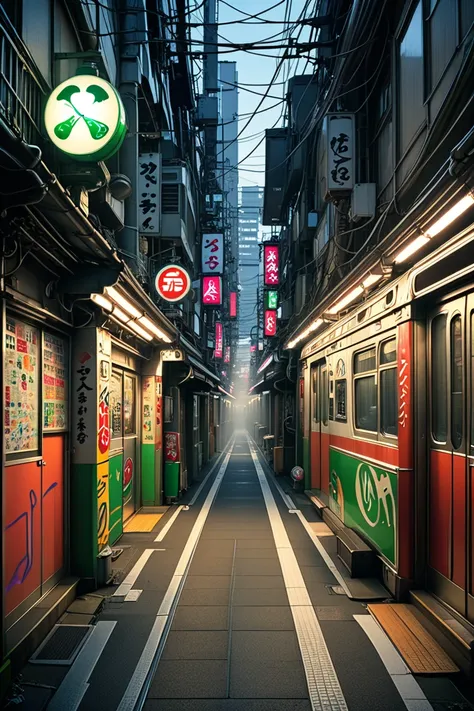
(413, 247)
(145, 321)
(102, 301)
(371, 280)
(456, 211)
(349, 298)
(122, 301)
(141, 331)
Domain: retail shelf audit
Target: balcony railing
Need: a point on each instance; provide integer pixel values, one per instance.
(22, 89)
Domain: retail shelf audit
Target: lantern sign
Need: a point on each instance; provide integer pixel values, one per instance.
(219, 340)
(227, 354)
(271, 299)
(171, 446)
(271, 265)
(149, 191)
(233, 304)
(172, 282)
(270, 323)
(212, 254)
(212, 290)
(85, 118)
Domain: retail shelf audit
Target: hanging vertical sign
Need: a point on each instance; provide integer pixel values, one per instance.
(227, 354)
(212, 254)
(212, 291)
(233, 304)
(270, 323)
(149, 192)
(219, 340)
(271, 299)
(271, 265)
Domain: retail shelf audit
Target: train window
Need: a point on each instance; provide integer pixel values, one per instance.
(341, 390)
(168, 408)
(324, 397)
(388, 402)
(439, 379)
(366, 403)
(364, 361)
(315, 396)
(456, 382)
(388, 352)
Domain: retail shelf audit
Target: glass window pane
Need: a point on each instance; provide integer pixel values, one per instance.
(388, 352)
(411, 96)
(54, 382)
(388, 402)
(324, 396)
(341, 386)
(456, 382)
(21, 393)
(116, 404)
(439, 381)
(129, 405)
(169, 409)
(364, 361)
(315, 395)
(366, 403)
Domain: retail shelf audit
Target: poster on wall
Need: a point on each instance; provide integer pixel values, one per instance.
(54, 383)
(21, 386)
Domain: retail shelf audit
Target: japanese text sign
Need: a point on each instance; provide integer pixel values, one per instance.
(340, 152)
(212, 290)
(172, 282)
(171, 446)
(219, 340)
(271, 301)
(233, 304)
(212, 254)
(227, 354)
(270, 323)
(149, 193)
(271, 264)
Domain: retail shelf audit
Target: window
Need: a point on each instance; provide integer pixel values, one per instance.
(388, 389)
(116, 404)
(168, 408)
(439, 379)
(55, 378)
(129, 399)
(21, 387)
(443, 27)
(456, 383)
(315, 395)
(366, 403)
(369, 396)
(411, 87)
(341, 389)
(324, 396)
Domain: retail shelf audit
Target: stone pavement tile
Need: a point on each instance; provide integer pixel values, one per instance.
(265, 597)
(204, 596)
(227, 705)
(207, 581)
(255, 543)
(237, 533)
(210, 566)
(262, 618)
(317, 574)
(257, 566)
(201, 618)
(277, 646)
(259, 581)
(339, 612)
(215, 549)
(267, 679)
(196, 645)
(192, 679)
(250, 553)
(308, 555)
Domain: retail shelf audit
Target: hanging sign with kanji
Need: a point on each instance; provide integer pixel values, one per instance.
(233, 304)
(219, 340)
(271, 265)
(212, 254)
(270, 323)
(171, 446)
(149, 193)
(227, 354)
(172, 282)
(271, 299)
(212, 291)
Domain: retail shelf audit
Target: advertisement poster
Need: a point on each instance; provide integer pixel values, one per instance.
(21, 387)
(54, 383)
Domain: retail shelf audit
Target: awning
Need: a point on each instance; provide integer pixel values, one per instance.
(226, 393)
(265, 363)
(202, 373)
(254, 387)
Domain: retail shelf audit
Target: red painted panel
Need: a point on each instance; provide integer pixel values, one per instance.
(22, 533)
(405, 414)
(406, 542)
(459, 521)
(315, 458)
(325, 462)
(53, 504)
(363, 448)
(440, 511)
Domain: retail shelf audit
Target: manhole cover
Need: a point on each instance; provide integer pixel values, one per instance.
(62, 645)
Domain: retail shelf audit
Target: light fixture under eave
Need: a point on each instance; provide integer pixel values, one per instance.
(102, 301)
(371, 280)
(122, 301)
(145, 321)
(456, 211)
(348, 299)
(139, 330)
(410, 249)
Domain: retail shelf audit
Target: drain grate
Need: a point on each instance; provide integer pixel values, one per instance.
(62, 645)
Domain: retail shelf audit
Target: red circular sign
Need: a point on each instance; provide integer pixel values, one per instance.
(172, 282)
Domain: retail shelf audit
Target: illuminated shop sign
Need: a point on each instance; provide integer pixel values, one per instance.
(212, 254)
(219, 340)
(212, 291)
(270, 323)
(271, 301)
(172, 282)
(227, 354)
(233, 304)
(271, 265)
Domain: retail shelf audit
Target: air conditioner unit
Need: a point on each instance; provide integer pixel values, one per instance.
(207, 111)
(363, 201)
(177, 205)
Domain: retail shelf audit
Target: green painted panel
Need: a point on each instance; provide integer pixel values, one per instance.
(84, 548)
(148, 474)
(306, 466)
(115, 498)
(365, 498)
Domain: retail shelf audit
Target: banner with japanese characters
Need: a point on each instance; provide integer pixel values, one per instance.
(212, 254)
(270, 323)
(271, 265)
(219, 340)
(233, 304)
(227, 354)
(212, 291)
(149, 193)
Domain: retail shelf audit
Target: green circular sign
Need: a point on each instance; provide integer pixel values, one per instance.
(85, 118)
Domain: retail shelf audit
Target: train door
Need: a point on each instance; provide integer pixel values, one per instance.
(451, 455)
(319, 444)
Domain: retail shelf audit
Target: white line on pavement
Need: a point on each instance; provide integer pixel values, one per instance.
(323, 685)
(127, 584)
(168, 525)
(407, 686)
